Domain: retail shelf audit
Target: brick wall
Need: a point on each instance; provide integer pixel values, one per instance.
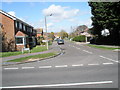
(20, 47)
(8, 29)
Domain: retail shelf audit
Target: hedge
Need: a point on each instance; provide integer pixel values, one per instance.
(81, 38)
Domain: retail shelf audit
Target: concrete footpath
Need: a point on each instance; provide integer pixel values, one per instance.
(112, 46)
(53, 48)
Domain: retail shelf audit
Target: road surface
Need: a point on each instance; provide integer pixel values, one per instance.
(79, 67)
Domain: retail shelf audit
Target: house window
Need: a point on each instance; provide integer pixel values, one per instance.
(24, 27)
(19, 40)
(27, 29)
(20, 24)
(30, 29)
(16, 24)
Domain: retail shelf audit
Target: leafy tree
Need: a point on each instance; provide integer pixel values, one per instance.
(80, 29)
(39, 40)
(63, 34)
(106, 15)
(51, 35)
(7, 44)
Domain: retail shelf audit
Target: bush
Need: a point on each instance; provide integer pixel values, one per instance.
(50, 42)
(39, 40)
(80, 38)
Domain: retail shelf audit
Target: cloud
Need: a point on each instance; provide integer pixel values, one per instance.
(79, 22)
(60, 13)
(12, 13)
(89, 23)
(49, 24)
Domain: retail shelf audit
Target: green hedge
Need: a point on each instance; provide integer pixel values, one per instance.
(80, 38)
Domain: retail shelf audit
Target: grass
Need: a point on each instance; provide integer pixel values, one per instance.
(102, 47)
(35, 49)
(33, 57)
(38, 49)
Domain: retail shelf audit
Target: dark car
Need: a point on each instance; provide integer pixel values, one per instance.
(60, 41)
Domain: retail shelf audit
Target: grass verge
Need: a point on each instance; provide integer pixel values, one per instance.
(39, 56)
(35, 49)
(102, 47)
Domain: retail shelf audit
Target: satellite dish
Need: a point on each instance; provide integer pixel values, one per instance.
(105, 32)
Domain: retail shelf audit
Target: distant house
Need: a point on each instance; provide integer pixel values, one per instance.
(39, 32)
(56, 35)
(88, 36)
(17, 34)
(83, 30)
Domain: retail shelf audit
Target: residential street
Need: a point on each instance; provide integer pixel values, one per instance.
(79, 67)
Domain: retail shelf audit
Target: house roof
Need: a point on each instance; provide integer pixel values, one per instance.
(13, 17)
(8, 15)
(39, 30)
(19, 33)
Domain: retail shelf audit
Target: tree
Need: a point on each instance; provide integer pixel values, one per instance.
(106, 16)
(39, 40)
(51, 35)
(80, 29)
(63, 34)
(7, 45)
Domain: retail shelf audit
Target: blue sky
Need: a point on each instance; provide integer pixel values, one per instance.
(64, 14)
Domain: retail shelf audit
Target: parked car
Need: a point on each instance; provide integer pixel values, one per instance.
(60, 41)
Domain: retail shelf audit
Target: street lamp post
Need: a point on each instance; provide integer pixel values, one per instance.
(46, 31)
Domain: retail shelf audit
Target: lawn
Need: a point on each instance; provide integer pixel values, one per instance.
(33, 57)
(35, 49)
(102, 47)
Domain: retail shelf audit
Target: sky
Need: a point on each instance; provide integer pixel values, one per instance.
(64, 15)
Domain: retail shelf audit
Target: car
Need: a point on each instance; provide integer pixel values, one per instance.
(60, 41)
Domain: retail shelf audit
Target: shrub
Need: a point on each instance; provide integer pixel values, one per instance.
(80, 38)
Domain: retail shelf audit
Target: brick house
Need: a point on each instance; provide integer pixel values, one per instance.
(17, 33)
(83, 30)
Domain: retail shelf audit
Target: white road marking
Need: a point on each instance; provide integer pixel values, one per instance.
(109, 59)
(62, 66)
(87, 52)
(68, 84)
(27, 67)
(93, 64)
(45, 66)
(10, 68)
(107, 63)
(77, 65)
(74, 65)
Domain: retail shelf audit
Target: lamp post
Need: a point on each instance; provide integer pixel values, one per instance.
(46, 31)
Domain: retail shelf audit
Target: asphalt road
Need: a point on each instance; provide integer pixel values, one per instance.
(79, 67)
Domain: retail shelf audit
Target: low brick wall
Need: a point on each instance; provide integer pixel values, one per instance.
(19, 47)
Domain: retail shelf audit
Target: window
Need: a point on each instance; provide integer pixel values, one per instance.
(20, 24)
(24, 27)
(16, 24)
(19, 40)
(30, 29)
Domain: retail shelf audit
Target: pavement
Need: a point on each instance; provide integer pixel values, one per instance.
(52, 48)
(79, 67)
(109, 46)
